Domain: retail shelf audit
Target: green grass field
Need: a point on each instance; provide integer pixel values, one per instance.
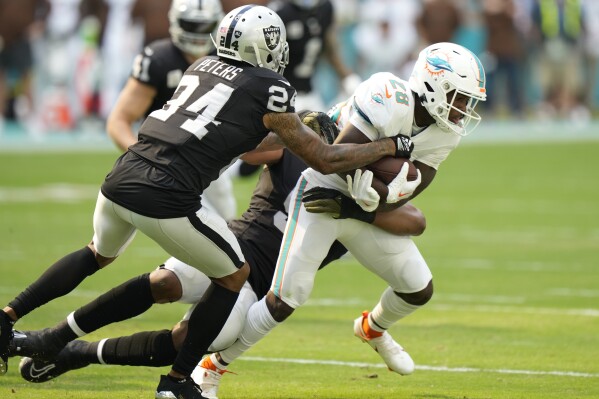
(512, 240)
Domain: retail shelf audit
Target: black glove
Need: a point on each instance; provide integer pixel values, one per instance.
(403, 146)
(328, 200)
(321, 123)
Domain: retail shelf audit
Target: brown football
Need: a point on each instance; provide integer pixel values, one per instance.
(386, 168)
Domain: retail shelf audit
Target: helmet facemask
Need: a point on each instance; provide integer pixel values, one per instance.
(277, 65)
(469, 118)
(191, 26)
(194, 37)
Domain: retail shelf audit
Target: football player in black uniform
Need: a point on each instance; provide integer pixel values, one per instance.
(155, 76)
(224, 106)
(259, 232)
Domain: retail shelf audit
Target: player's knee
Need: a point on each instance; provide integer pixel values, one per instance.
(277, 307)
(418, 298)
(165, 286)
(102, 260)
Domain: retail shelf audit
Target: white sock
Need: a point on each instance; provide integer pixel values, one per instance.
(258, 323)
(74, 326)
(390, 309)
(215, 361)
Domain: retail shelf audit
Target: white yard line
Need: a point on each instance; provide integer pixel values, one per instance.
(589, 312)
(421, 367)
(58, 192)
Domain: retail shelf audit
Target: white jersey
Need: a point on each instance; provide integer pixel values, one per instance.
(383, 106)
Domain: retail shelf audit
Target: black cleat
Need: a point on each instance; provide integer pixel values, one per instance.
(38, 344)
(184, 389)
(6, 334)
(36, 370)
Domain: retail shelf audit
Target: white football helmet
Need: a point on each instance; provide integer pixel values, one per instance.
(192, 22)
(443, 68)
(256, 35)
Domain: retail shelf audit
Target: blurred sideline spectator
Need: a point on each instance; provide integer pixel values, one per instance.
(152, 16)
(93, 17)
(558, 31)
(20, 22)
(439, 21)
(55, 55)
(229, 5)
(382, 22)
(120, 42)
(503, 58)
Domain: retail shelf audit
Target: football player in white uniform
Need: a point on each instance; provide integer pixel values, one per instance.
(434, 109)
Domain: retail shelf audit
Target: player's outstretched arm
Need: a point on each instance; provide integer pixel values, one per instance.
(325, 158)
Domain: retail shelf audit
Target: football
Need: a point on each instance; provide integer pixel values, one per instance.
(386, 168)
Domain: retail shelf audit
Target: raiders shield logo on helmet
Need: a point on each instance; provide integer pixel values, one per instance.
(272, 36)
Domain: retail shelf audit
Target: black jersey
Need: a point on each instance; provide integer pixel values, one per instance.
(306, 31)
(214, 117)
(160, 65)
(260, 229)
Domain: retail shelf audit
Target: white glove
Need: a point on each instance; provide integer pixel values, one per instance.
(361, 191)
(400, 188)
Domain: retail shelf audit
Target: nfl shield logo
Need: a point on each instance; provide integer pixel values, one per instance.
(272, 36)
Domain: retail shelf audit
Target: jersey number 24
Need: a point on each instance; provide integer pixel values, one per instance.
(210, 104)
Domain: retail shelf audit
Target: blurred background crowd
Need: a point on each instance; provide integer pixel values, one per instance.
(64, 62)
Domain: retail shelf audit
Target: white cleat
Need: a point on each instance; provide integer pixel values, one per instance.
(207, 379)
(396, 358)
